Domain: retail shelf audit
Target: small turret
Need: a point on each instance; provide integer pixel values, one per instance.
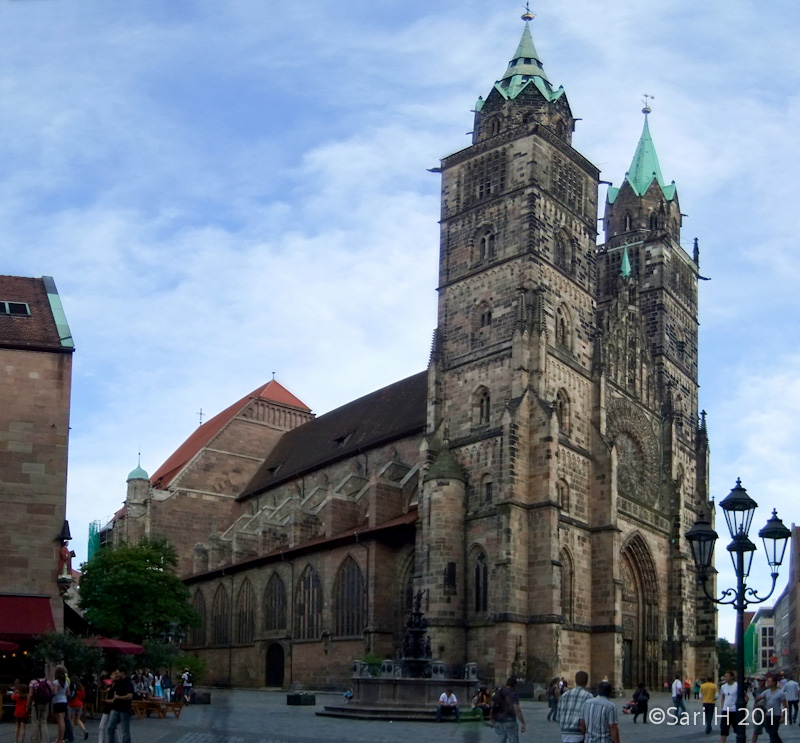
(138, 484)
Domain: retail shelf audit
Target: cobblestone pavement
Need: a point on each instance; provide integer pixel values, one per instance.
(245, 716)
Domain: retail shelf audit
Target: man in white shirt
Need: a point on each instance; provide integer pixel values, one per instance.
(729, 716)
(792, 691)
(448, 704)
(677, 695)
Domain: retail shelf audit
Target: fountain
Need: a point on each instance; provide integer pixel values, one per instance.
(409, 687)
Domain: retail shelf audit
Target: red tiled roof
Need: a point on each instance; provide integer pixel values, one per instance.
(272, 390)
(25, 616)
(37, 331)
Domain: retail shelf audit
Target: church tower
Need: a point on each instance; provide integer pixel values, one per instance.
(510, 392)
(563, 461)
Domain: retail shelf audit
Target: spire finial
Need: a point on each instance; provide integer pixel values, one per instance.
(645, 99)
(200, 413)
(527, 16)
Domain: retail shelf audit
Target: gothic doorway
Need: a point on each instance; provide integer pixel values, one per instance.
(641, 646)
(275, 663)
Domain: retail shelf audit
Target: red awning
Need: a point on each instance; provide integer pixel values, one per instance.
(115, 646)
(23, 617)
(8, 647)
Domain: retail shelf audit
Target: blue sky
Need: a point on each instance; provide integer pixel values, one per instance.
(224, 190)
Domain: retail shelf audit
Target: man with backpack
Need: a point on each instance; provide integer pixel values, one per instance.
(40, 693)
(188, 683)
(570, 708)
(505, 713)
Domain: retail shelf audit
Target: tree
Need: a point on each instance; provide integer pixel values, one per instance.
(132, 592)
(70, 651)
(726, 655)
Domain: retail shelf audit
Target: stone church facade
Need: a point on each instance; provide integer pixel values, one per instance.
(535, 482)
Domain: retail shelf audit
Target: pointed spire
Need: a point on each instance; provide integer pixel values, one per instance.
(625, 266)
(644, 166)
(525, 68)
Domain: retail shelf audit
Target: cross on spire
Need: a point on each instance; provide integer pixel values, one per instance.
(645, 99)
(527, 16)
(200, 413)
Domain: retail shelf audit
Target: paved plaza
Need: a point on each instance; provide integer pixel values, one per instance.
(244, 716)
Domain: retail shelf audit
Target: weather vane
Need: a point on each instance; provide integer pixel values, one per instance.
(200, 413)
(527, 16)
(646, 110)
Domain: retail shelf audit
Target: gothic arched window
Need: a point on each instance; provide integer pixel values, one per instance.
(220, 618)
(349, 600)
(563, 411)
(628, 223)
(563, 495)
(654, 221)
(480, 571)
(197, 635)
(485, 242)
(308, 606)
(482, 407)
(494, 127)
(567, 586)
(563, 328)
(245, 615)
(275, 604)
(486, 489)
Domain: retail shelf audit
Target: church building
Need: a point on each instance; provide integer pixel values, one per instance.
(534, 483)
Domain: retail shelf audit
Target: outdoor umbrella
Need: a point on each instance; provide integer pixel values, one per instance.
(115, 646)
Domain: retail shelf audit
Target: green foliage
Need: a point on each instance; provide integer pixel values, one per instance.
(70, 651)
(159, 655)
(132, 592)
(726, 655)
(373, 662)
(197, 667)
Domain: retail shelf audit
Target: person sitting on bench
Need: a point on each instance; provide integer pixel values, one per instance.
(448, 704)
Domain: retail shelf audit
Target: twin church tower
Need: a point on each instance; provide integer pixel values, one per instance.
(563, 380)
(534, 484)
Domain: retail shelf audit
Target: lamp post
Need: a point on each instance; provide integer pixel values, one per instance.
(739, 508)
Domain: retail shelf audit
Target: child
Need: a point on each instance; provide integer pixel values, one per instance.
(20, 696)
(76, 707)
(348, 696)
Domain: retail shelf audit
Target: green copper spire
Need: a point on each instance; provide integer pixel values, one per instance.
(525, 69)
(625, 267)
(645, 168)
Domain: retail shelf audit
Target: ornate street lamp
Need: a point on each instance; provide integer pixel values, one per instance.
(739, 508)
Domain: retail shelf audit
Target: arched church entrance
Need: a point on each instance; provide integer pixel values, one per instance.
(275, 665)
(641, 644)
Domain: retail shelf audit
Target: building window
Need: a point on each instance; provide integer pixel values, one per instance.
(19, 309)
(563, 495)
(485, 177)
(654, 221)
(628, 223)
(220, 618)
(197, 635)
(486, 489)
(562, 408)
(482, 407)
(275, 604)
(245, 615)
(450, 582)
(567, 576)
(349, 600)
(308, 606)
(494, 127)
(567, 183)
(563, 329)
(481, 572)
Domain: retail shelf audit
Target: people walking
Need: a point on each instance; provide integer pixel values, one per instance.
(729, 715)
(20, 699)
(570, 709)
(792, 691)
(599, 721)
(40, 694)
(121, 698)
(60, 687)
(505, 713)
(641, 696)
(553, 693)
(677, 695)
(75, 706)
(774, 708)
(708, 696)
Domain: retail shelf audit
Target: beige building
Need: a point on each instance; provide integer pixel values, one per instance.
(36, 370)
(535, 482)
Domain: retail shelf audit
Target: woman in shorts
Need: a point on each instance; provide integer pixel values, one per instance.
(60, 686)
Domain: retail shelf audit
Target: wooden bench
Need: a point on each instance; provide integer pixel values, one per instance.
(174, 707)
(145, 707)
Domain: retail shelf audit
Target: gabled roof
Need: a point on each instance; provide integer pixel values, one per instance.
(389, 414)
(42, 326)
(272, 391)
